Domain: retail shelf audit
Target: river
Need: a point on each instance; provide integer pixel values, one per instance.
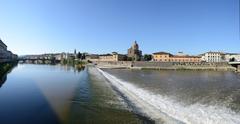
(46, 94)
(61, 94)
(193, 97)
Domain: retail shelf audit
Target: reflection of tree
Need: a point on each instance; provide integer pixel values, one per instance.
(5, 68)
(2, 80)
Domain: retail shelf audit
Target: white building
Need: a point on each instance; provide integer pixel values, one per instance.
(213, 57)
(232, 57)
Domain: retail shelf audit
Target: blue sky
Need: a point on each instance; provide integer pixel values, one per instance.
(103, 26)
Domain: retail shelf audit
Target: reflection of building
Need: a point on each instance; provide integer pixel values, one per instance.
(232, 57)
(107, 57)
(134, 52)
(167, 57)
(213, 57)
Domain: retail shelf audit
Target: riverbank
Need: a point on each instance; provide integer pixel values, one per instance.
(6, 67)
(166, 66)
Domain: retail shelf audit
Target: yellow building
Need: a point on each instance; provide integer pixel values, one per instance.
(167, 57)
(161, 56)
(185, 59)
(107, 57)
(112, 57)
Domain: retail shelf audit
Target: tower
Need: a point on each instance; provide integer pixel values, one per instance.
(75, 53)
(135, 45)
(134, 53)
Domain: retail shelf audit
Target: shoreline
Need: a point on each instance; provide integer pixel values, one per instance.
(141, 65)
(232, 69)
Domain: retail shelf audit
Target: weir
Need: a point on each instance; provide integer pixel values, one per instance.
(158, 106)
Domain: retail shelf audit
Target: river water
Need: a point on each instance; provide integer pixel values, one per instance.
(196, 97)
(45, 94)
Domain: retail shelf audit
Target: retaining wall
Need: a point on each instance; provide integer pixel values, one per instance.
(167, 65)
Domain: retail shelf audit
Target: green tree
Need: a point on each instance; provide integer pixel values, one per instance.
(129, 59)
(83, 56)
(147, 57)
(79, 55)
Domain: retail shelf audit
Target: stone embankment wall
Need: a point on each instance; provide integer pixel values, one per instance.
(119, 64)
(238, 68)
(167, 65)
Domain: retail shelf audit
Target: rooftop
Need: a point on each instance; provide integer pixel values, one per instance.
(1, 42)
(161, 53)
(232, 53)
(215, 52)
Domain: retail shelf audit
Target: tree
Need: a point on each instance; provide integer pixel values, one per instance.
(79, 55)
(147, 57)
(83, 56)
(129, 59)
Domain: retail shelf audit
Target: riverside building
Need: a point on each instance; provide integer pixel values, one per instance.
(213, 57)
(168, 57)
(231, 57)
(114, 57)
(6, 55)
(134, 53)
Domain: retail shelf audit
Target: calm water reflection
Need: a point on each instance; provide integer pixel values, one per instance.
(37, 94)
(45, 94)
(2, 80)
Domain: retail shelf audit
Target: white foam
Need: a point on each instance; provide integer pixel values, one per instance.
(155, 104)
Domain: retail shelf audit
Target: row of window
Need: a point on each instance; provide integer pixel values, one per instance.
(160, 56)
(177, 60)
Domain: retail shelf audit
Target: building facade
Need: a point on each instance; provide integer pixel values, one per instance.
(134, 52)
(161, 56)
(232, 57)
(185, 59)
(168, 57)
(6, 55)
(213, 57)
(107, 57)
(92, 57)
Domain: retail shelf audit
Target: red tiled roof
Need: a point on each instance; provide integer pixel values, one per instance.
(161, 53)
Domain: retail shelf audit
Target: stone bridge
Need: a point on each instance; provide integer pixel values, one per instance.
(236, 65)
(37, 60)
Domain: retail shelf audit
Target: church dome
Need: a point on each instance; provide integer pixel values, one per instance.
(135, 45)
